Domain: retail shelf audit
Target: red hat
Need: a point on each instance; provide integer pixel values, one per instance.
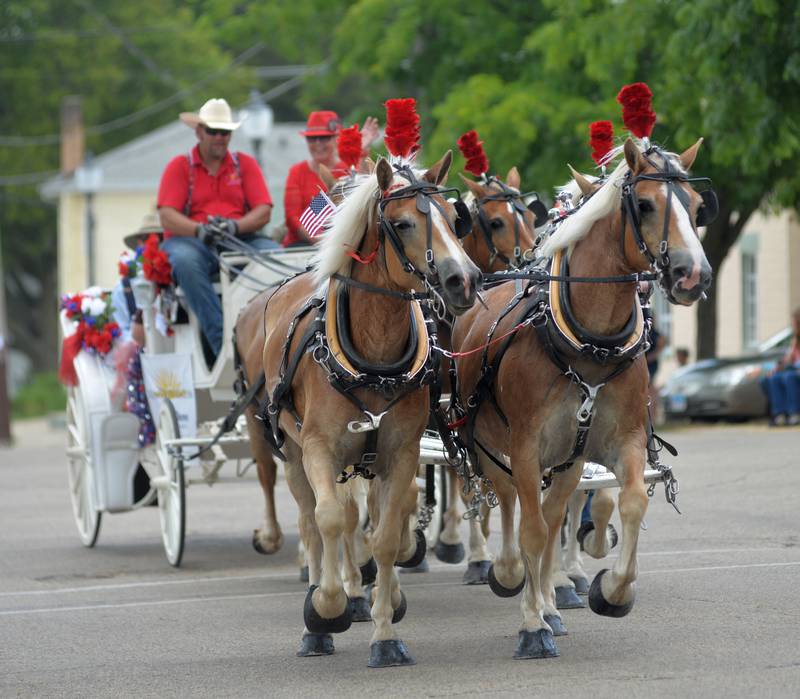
(322, 124)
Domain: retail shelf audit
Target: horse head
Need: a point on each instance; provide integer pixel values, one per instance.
(661, 213)
(421, 228)
(501, 220)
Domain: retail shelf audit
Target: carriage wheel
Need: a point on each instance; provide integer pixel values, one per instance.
(171, 487)
(80, 471)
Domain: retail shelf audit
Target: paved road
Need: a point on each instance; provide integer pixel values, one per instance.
(717, 614)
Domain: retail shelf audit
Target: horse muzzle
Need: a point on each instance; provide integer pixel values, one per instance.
(687, 279)
(459, 285)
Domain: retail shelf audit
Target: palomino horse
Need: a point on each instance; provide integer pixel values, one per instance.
(566, 381)
(347, 361)
(502, 236)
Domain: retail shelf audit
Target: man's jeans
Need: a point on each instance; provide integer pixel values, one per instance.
(783, 391)
(193, 265)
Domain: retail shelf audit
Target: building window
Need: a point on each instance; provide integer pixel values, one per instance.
(749, 300)
(662, 315)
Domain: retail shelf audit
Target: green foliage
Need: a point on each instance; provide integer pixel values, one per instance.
(43, 394)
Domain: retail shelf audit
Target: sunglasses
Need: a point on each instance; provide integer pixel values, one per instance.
(217, 132)
(318, 138)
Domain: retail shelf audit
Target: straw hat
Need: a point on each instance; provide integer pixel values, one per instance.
(325, 123)
(150, 224)
(216, 114)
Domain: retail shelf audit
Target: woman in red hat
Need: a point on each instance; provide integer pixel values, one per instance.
(303, 182)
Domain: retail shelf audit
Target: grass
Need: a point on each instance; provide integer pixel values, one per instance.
(42, 395)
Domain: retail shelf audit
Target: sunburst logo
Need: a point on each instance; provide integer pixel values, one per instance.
(168, 385)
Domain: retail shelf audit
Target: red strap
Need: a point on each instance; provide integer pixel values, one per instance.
(369, 258)
(516, 328)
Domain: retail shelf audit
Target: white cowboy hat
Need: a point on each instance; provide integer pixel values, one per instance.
(150, 225)
(216, 114)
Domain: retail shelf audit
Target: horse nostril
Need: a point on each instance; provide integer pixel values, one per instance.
(454, 283)
(477, 279)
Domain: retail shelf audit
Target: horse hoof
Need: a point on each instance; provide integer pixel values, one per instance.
(536, 644)
(421, 568)
(598, 603)
(304, 574)
(273, 546)
(315, 644)
(555, 623)
(389, 654)
(567, 599)
(318, 624)
(449, 553)
(581, 584)
(477, 573)
(502, 590)
(359, 609)
(400, 612)
(419, 553)
(369, 571)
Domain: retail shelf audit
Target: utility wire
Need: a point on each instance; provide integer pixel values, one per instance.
(55, 35)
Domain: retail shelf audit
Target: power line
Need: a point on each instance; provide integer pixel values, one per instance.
(55, 35)
(122, 122)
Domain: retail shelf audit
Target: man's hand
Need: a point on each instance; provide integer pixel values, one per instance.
(225, 225)
(370, 132)
(207, 233)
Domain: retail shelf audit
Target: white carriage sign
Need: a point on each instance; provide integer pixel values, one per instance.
(170, 376)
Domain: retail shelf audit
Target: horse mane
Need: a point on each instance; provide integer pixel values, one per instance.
(349, 225)
(601, 204)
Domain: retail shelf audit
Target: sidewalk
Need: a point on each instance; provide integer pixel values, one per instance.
(47, 431)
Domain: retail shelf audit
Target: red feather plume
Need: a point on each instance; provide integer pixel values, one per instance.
(601, 139)
(349, 146)
(637, 109)
(472, 150)
(402, 127)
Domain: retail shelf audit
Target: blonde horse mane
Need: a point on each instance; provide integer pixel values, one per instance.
(350, 223)
(600, 204)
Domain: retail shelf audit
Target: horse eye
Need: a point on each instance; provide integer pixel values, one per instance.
(402, 225)
(496, 223)
(646, 206)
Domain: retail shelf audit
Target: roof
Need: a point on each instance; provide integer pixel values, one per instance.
(136, 166)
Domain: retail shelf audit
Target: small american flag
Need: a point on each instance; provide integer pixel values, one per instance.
(318, 212)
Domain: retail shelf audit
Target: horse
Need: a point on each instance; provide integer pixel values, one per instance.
(502, 236)
(560, 376)
(348, 364)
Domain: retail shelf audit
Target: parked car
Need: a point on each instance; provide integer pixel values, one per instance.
(724, 388)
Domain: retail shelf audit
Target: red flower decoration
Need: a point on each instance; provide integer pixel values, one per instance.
(472, 150)
(349, 146)
(637, 110)
(601, 139)
(402, 127)
(156, 263)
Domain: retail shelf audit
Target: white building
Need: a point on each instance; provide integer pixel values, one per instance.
(130, 178)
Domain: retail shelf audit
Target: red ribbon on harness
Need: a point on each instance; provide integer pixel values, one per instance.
(369, 258)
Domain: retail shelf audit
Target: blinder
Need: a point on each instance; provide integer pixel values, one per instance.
(539, 210)
(463, 219)
(709, 209)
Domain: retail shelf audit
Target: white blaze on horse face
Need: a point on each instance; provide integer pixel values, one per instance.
(690, 239)
(453, 248)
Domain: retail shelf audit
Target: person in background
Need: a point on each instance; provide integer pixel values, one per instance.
(782, 385)
(682, 356)
(205, 195)
(303, 182)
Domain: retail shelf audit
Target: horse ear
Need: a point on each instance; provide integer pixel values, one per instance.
(327, 177)
(512, 178)
(583, 182)
(476, 188)
(438, 173)
(383, 171)
(688, 156)
(368, 166)
(633, 156)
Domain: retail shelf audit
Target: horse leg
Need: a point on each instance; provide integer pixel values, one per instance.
(393, 498)
(506, 576)
(573, 565)
(351, 571)
(449, 548)
(535, 636)
(588, 536)
(557, 589)
(269, 538)
(327, 608)
(613, 592)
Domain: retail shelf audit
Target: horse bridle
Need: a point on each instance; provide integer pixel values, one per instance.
(423, 192)
(630, 208)
(516, 201)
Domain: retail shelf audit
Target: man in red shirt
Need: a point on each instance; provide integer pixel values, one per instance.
(202, 194)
